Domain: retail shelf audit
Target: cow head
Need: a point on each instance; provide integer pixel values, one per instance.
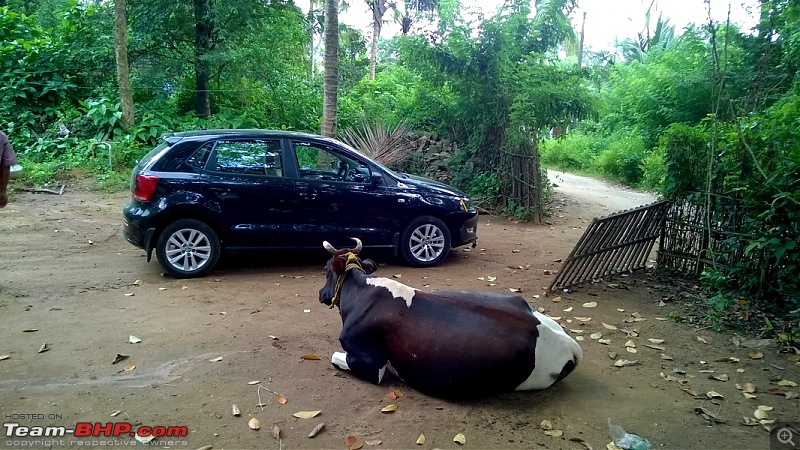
(337, 267)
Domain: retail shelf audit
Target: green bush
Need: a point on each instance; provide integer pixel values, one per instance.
(574, 152)
(622, 159)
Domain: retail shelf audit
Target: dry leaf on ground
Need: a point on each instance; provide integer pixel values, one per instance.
(307, 414)
(254, 423)
(316, 430)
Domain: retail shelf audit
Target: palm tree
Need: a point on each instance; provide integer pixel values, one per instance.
(379, 8)
(331, 81)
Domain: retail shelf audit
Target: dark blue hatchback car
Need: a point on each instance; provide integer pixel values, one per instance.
(202, 192)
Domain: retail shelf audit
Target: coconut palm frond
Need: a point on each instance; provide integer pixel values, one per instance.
(385, 145)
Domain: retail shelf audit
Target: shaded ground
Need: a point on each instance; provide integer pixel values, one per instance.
(68, 273)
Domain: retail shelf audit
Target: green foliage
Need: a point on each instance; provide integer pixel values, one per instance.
(574, 152)
(622, 159)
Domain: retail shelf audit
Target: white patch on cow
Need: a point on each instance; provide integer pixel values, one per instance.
(398, 290)
(554, 348)
(339, 359)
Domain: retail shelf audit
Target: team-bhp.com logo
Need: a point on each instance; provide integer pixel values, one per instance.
(96, 429)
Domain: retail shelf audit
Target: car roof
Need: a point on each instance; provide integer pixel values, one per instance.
(218, 133)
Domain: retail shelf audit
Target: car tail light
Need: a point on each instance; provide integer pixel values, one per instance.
(145, 187)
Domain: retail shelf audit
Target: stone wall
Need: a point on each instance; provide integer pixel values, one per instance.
(429, 156)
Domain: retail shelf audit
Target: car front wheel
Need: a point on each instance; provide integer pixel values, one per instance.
(188, 248)
(425, 242)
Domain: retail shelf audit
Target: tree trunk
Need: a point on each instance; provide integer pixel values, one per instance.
(538, 198)
(204, 28)
(331, 80)
(580, 47)
(379, 8)
(121, 52)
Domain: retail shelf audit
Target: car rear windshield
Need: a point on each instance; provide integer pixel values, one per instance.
(151, 154)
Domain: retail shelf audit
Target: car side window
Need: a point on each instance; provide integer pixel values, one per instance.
(200, 156)
(318, 162)
(256, 157)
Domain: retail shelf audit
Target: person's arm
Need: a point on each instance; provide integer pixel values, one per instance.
(5, 175)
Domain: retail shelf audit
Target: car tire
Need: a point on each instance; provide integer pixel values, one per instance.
(188, 248)
(425, 242)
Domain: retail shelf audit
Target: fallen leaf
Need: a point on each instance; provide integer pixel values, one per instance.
(749, 388)
(515, 290)
(554, 433)
(394, 394)
(281, 399)
(546, 425)
(397, 275)
(310, 357)
(703, 339)
(720, 377)
(787, 383)
(274, 338)
(568, 309)
(276, 432)
(205, 447)
(714, 394)
(794, 358)
(604, 341)
(254, 382)
(421, 439)
(630, 344)
(609, 326)
(374, 443)
(353, 443)
(307, 414)
(655, 341)
(760, 414)
(666, 357)
(5, 357)
(777, 392)
(144, 439)
(162, 289)
(115, 413)
(45, 347)
(765, 408)
(582, 442)
(626, 363)
(217, 359)
(390, 408)
(748, 395)
(590, 305)
(556, 299)
(235, 410)
(129, 368)
(655, 347)
(631, 350)
(133, 339)
(596, 336)
(30, 330)
(316, 430)
(583, 319)
(118, 358)
(254, 424)
(690, 391)
(460, 438)
(755, 355)
(612, 355)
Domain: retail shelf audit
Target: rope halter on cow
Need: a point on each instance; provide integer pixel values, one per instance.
(352, 263)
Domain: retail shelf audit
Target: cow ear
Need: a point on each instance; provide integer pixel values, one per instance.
(338, 265)
(369, 266)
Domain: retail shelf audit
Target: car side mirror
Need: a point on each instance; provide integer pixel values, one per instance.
(376, 179)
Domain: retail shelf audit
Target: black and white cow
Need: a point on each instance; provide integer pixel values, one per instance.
(446, 344)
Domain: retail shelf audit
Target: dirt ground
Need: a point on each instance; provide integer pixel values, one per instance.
(71, 281)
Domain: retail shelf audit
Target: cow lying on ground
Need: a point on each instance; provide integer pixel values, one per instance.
(446, 344)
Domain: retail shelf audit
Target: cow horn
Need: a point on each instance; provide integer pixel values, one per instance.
(358, 245)
(331, 249)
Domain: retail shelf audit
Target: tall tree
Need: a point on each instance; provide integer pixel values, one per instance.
(204, 30)
(331, 81)
(121, 53)
(379, 8)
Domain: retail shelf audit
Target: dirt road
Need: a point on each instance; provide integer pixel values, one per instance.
(70, 281)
